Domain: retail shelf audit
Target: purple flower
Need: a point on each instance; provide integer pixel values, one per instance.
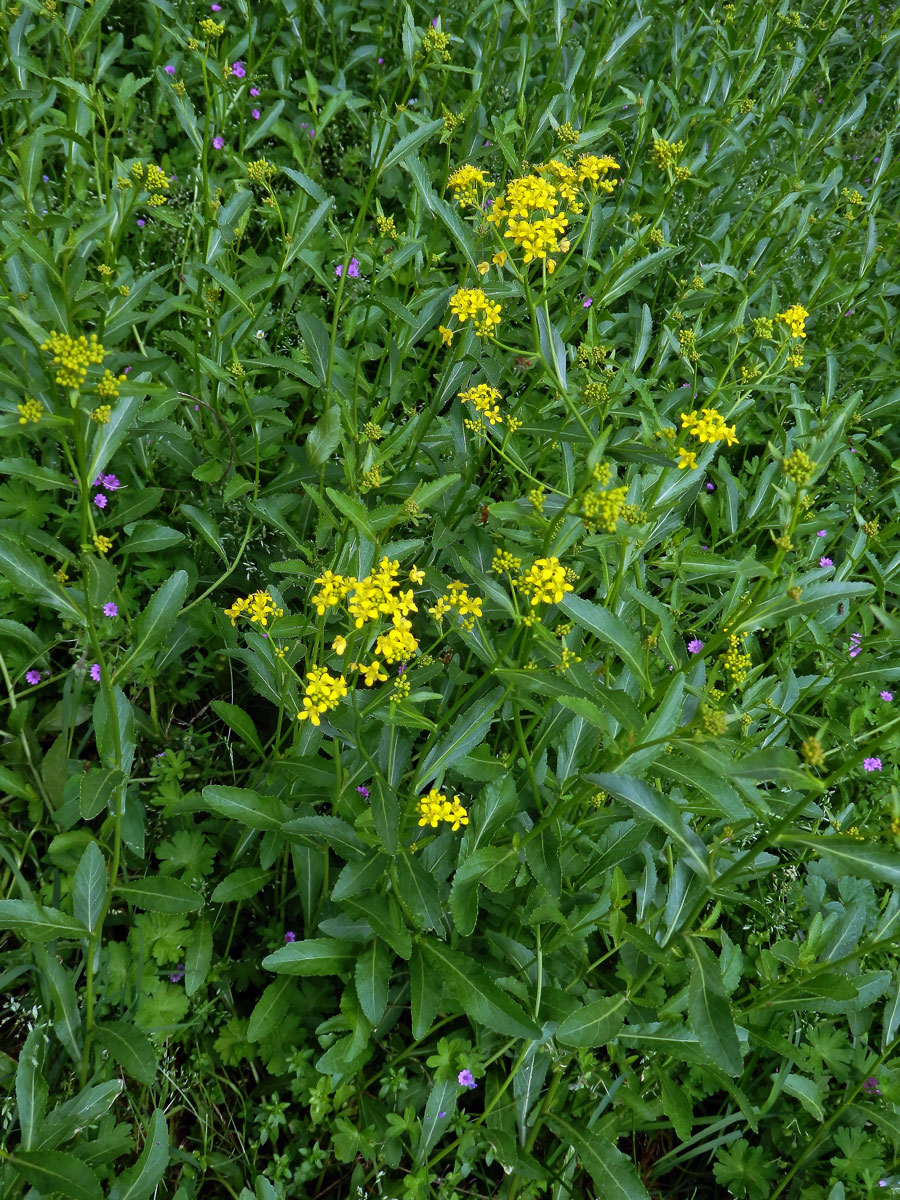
(110, 609)
(215, 8)
(238, 69)
(141, 222)
(887, 696)
(100, 500)
(98, 482)
(694, 646)
(466, 1079)
(110, 482)
(178, 974)
(290, 936)
(872, 764)
(254, 113)
(170, 70)
(401, 668)
(710, 487)
(95, 672)
(822, 533)
(363, 791)
(587, 302)
(254, 91)
(855, 644)
(870, 1087)
(353, 268)
(825, 562)
(46, 178)
(380, 61)
(32, 677)
(434, 22)
(219, 142)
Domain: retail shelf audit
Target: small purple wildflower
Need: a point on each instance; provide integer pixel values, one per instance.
(215, 8)
(442, 1113)
(290, 936)
(33, 677)
(254, 92)
(434, 22)
(870, 1087)
(380, 61)
(694, 646)
(363, 791)
(95, 672)
(178, 974)
(238, 69)
(141, 222)
(110, 609)
(169, 70)
(886, 696)
(219, 142)
(98, 482)
(824, 561)
(401, 668)
(46, 178)
(587, 302)
(255, 114)
(872, 764)
(822, 533)
(353, 268)
(100, 500)
(466, 1079)
(110, 482)
(855, 644)
(710, 487)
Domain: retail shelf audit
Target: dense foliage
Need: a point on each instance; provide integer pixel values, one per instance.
(448, 559)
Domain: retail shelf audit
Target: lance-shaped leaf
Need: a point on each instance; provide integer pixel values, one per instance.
(476, 993)
(664, 812)
(615, 1176)
(468, 731)
(313, 956)
(710, 1011)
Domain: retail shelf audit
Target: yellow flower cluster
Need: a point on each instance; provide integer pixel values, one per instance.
(594, 170)
(665, 154)
(101, 414)
(458, 598)
(709, 427)
(155, 179)
(261, 170)
(465, 182)
(323, 693)
(540, 239)
(211, 28)
(544, 582)
(436, 42)
(109, 384)
(31, 410)
(483, 399)
(258, 606)
(604, 508)
(73, 356)
(504, 562)
(472, 303)
(795, 318)
(735, 660)
(435, 807)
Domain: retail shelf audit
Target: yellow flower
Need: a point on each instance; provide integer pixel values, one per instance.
(472, 303)
(372, 674)
(435, 807)
(795, 318)
(483, 268)
(687, 458)
(323, 693)
(101, 414)
(446, 335)
(339, 645)
(416, 575)
(31, 410)
(102, 544)
(73, 356)
(545, 582)
(465, 182)
(499, 258)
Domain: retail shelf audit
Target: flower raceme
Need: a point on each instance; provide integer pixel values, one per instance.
(435, 807)
(795, 318)
(258, 606)
(544, 582)
(472, 304)
(324, 692)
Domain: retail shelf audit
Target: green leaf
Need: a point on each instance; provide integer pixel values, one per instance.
(660, 809)
(851, 857)
(676, 1105)
(595, 1024)
(31, 1086)
(161, 893)
(97, 788)
(130, 1048)
(354, 511)
(325, 437)
(552, 347)
(54, 1172)
(319, 829)
(244, 806)
(425, 990)
(615, 1176)
(270, 1009)
(34, 923)
(410, 143)
(468, 731)
(89, 887)
(313, 956)
(148, 537)
(610, 629)
(317, 339)
(710, 1011)
(140, 1182)
(204, 523)
(418, 891)
(73, 1115)
(35, 579)
(239, 721)
(105, 731)
(480, 998)
(373, 975)
(807, 1092)
(159, 616)
(241, 884)
(385, 815)
(110, 436)
(197, 955)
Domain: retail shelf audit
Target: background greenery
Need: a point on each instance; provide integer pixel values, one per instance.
(664, 943)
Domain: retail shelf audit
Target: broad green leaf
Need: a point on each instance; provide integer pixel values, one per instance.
(270, 1008)
(615, 1175)
(317, 339)
(244, 806)
(410, 143)
(148, 537)
(325, 437)
(331, 831)
(425, 990)
(35, 580)
(354, 511)
(652, 805)
(159, 616)
(676, 1105)
(34, 923)
(140, 1182)
(418, 892)
(807, 1092)
(53, 1172)
(552, 348)
(314, 956)
(710, 1011)
(468, 731)
(483, 1002)
(610, 629)
(206, 525)
(239, 721)
(89, 886)
(373, 976)
(160, 893)
(595, 1024)
(130, 1048)
(31, 1086)
(850, 856)
(241, 884)
(110, 436)
(114, 732)
(68, 1118)
(385, 815)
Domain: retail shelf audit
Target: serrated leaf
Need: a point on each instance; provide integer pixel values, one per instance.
(410, 143)
(53, 1172)
(479, 997)
(325, 437)
(317, 340)
(850, 856)
(269, 1009)
(372, 976)
(468, 731)
(710, 1011)
(159, 616)
(610, 629)
(31, 1086)
(197, 955)
(140, 1182)
(615, 1176)
(130, 1048)
(313, 956)
(595, 1024)
(663, 811)
(35, 579)
(34, 923)
(354, 511)
(241, 722)
(241, 884)
(160, 893)
(425, 990)
(243, 805)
